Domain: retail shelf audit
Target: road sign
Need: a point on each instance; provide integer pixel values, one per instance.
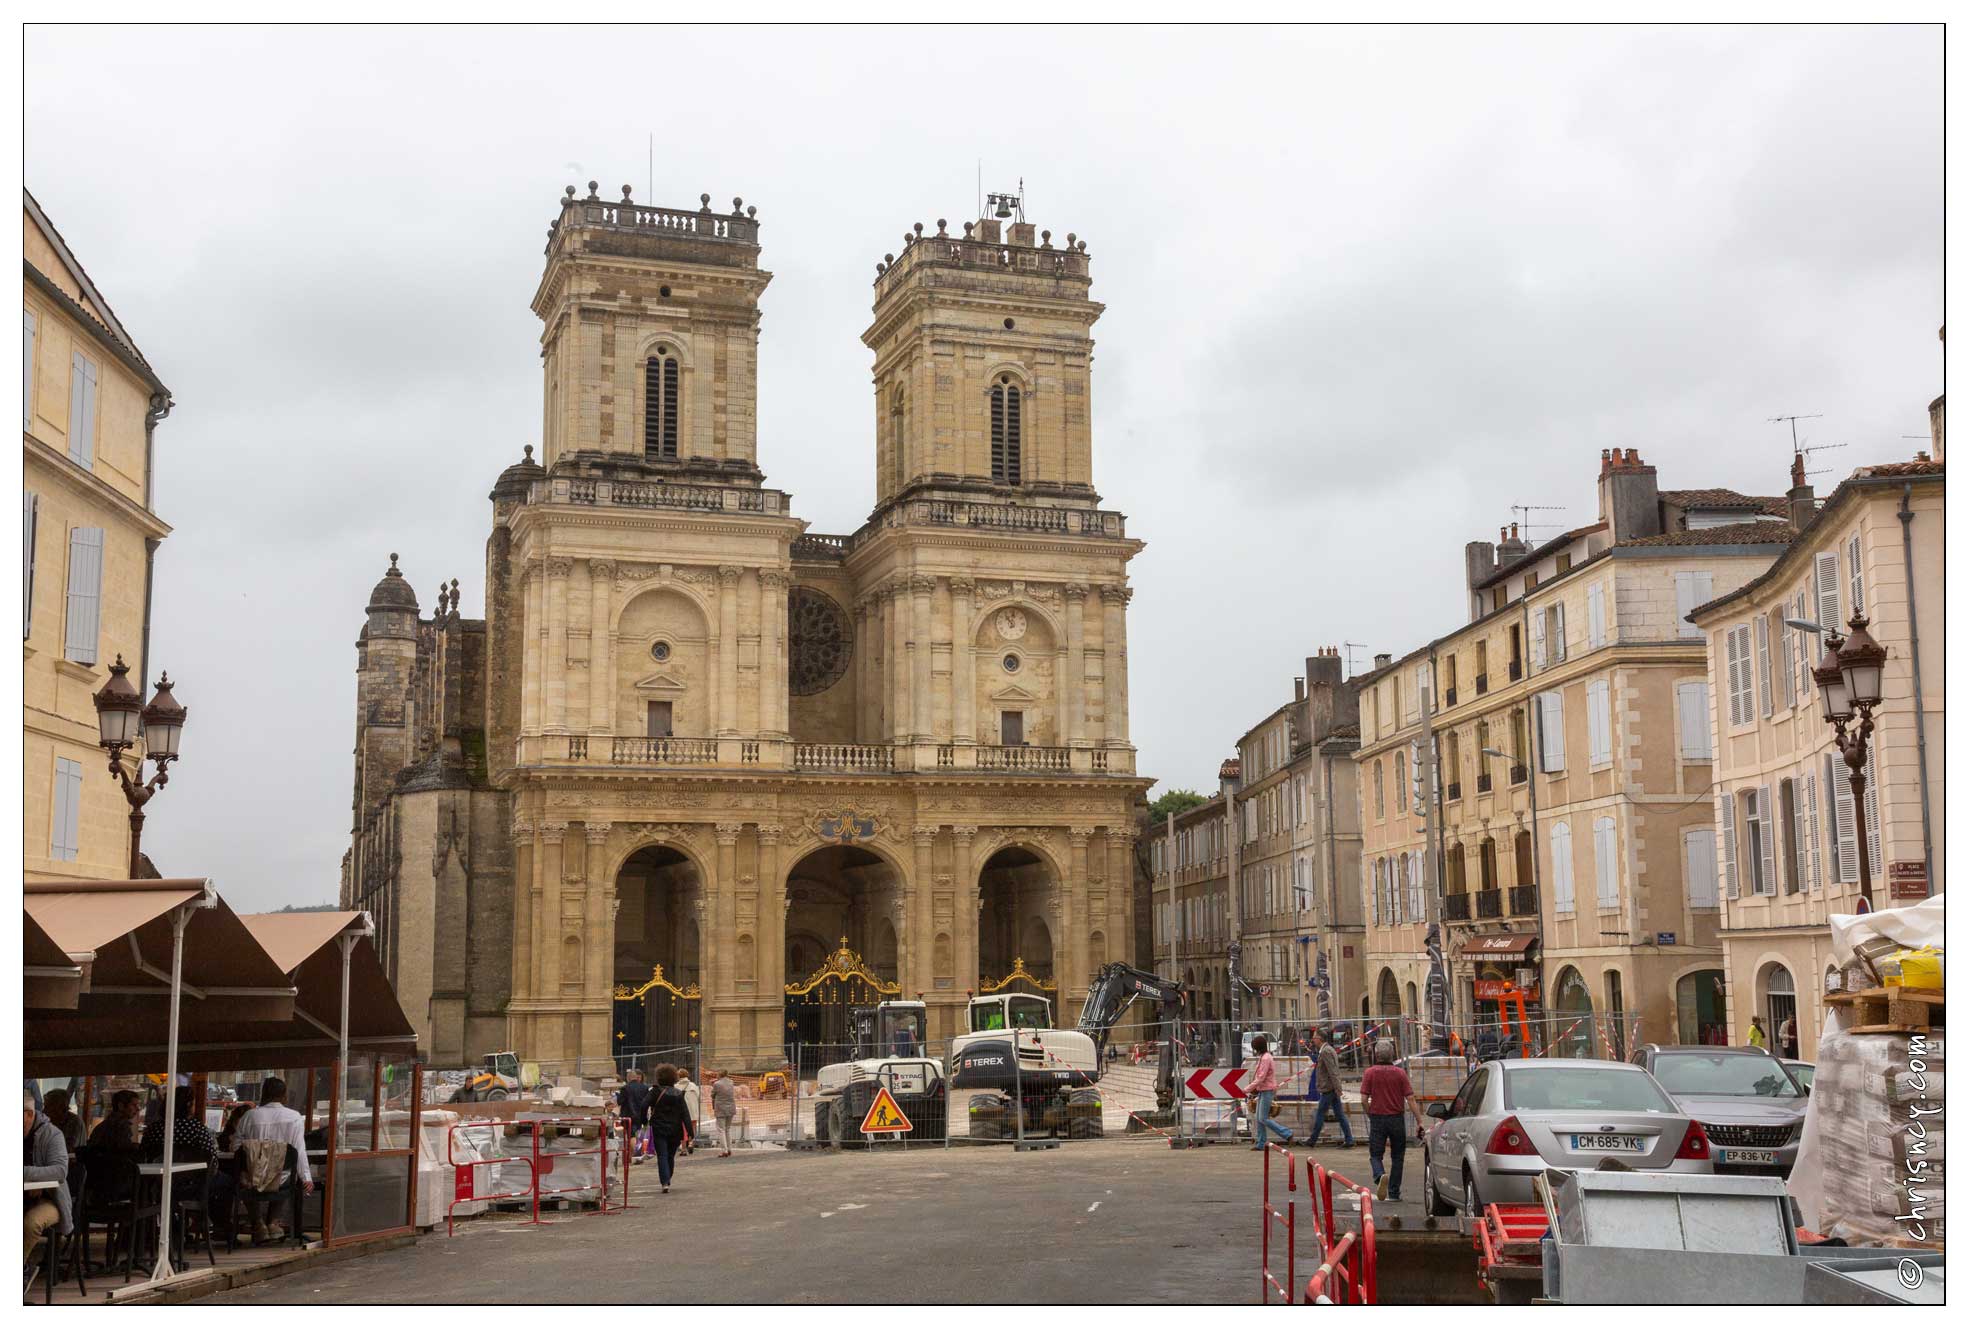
(1907, 879)
(1220, 1083)
(884, 1117)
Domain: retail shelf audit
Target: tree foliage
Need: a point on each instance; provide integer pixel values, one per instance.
(1174, 803)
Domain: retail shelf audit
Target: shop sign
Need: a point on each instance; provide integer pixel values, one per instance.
(1664, 938)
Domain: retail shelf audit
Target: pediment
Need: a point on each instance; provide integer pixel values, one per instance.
(660, 682)
(1013, 692)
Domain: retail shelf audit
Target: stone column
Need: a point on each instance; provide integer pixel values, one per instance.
(916, 910)
(1114, 647)
(926, 727)
(898, 660)
(1121, 894)
(1076, 680)
(533, 640)
(557, 596)
(601, 648)
(863, 664)
(1076, 903)
(728, 650)
(526, 910)
(599, 915)
(717, 929)
(963, 662)
(964, 924)
(772, 654)
(547, 912)
(771, 937)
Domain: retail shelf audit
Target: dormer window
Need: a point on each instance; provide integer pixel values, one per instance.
(660, 406)
(1006, 430)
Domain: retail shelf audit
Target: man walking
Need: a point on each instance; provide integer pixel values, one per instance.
(633, 1101)
(1326, 1082)
(1386, 1091)
(1264, 1086)
(724, 1106)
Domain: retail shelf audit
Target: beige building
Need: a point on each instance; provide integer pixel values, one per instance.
(784, 768)
(1566, 722)
(1786, 829)
(90, 402)
(1194, 926)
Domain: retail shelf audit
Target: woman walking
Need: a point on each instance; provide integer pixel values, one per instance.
(667, 1119)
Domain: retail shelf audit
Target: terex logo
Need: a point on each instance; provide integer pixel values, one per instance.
(984, 1060)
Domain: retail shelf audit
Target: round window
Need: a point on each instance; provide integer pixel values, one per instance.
(660, 651)
(1011, 663)
(1009, 325)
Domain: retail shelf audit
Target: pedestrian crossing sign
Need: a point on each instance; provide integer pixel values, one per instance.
(884, 1117)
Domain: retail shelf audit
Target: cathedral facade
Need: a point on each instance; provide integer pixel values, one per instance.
(699, 768)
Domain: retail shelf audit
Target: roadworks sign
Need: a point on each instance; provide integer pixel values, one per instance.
(884, 1117)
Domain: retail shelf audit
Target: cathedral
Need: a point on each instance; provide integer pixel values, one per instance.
(703, 774)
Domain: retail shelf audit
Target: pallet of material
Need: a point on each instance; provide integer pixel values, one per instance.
(1892, 1010)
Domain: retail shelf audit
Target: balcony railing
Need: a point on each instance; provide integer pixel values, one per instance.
(1029, 518)
(843, 757)
(1453, 790)
(1024, 758)
(1518, 773)
(659, 494)
(1524, 901)
(1517, 670)
(664, 751)
(1483, 783)
(1490, 903)
(1456, 907)
(1483, 684)
(1449, 696)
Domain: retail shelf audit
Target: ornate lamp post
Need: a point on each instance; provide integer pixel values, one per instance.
(119, 711)
(1849, 679)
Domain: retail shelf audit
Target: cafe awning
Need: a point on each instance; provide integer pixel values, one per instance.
(308, 948)
(53, 978)
(1498, 945)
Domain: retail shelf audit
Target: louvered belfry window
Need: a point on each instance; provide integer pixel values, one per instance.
(660, 406)
(1006, 430)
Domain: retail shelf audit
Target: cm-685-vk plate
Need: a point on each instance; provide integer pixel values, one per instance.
(1608, 1144)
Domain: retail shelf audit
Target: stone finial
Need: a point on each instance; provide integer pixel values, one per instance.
(593, 186)
(1046, 239)
(738, 205)
(705, 201)
(919, 229)
(625, 193)
(941, 224)
(393, 564)
(888, 258)
(570, 191)
(967, 229)
(528, 450)
(881, 268)
(751, 212)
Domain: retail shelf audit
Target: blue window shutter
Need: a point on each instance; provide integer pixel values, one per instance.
(85, 590)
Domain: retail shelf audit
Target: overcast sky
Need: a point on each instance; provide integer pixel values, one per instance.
(1365, 289)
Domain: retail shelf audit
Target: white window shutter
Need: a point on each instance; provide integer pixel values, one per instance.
(1785, 673)
(1825, 581)
(1733, 675)
(1743, 704)
(1845, 835)
(1699, 867)
(1596, 616)
(85, 588)
(1764, 665)
(1599, 724)
(1692, 716)
(1691, 590)
(1552, 731)
(1558, 647)
(1767, 823)
(1800, 877)
(30, 509)
(65, 829)
(1812, 878)
(1562, 897)
(1415, 905)
(1538, 641)
(1606, 865)
(82, 411)
(1727, 807)
(1875, 865)
(1805, 643)
(1853, 573)
(28, 330)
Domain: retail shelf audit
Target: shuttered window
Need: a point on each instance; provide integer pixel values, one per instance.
(1007, 430)
(65, 826)
(1843, 837)
(1825, 585)
(1804, 642)
(1691, 589)
(30, 329)
(1726, 813)
(1797, 842)
(1813, 858)
(82, 411)
(1763, 626)
(1763, 841)
(85, 593)
(1606, 865)
(1596, 616)
(1853, 575)
(1538, 641)
(1699, 867)
(660, 405)
(1873, 859)
(1415, 909)
(1692, 719)
(1562, 897)
(1551, 732)
(1743, 707)
(30, 512)
(1599, 725)
(1786, 675)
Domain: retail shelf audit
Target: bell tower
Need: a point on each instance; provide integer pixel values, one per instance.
(982, 347)
(650, 336)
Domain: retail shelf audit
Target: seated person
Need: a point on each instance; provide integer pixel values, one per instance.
(274, 1120)
(191, 1142)
(120, 1132)
(55, 1106)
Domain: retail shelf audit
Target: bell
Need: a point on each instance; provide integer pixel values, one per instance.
(1004, 207)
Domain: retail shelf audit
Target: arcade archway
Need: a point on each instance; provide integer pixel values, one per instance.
(657, 949)
(843, 946)
(1016, 945)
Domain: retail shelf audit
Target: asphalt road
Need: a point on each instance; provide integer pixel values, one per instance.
(1095, 1221)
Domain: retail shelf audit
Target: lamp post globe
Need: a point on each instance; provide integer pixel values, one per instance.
(117, 709)
(1834, 699)
(1862, 661)
(164, 721)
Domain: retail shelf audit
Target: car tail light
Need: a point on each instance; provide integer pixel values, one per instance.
(1695, 1144)
(1509, 1138)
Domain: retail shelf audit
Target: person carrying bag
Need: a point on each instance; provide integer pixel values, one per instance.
(669, 1114)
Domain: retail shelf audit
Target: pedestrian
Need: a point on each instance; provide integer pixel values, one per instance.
(1386, 1091)
(693, 1108)
(724, 1106)
(1787, 1040)
(44, 1155)
(1758, 1038)
(668, 1113)
(1326, 1083)
(1263, 1088)
(633, 1102)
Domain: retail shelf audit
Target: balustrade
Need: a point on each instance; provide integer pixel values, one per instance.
(1490, 903)
(1456, 907)
(994, 758)
(664, 751)
(1524, 901)
(843, 757)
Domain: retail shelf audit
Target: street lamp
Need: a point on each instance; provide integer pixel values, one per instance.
(120, 717)
(1849, 681)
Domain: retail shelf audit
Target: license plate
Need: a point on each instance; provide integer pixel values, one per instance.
(1748, 1156)
(1608, 1144)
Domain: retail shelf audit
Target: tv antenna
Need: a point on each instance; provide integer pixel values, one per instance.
(1793, 420)
(1521, 514)
(1350, 647)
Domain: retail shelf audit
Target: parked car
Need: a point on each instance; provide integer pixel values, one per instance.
(1749, 1105)
(1514, 1118)
(1802, 1071)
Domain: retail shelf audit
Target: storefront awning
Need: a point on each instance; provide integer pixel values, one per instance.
(308, 948)
(52, 978)
(1498, 945)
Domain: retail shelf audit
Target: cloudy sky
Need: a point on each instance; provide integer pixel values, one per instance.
(1366, 290)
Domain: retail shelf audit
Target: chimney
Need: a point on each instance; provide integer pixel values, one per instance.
(1509, 547)
(1382, 660)
(1479, 561)
(1298, 689)
(1803, 509)
(1323, 670)
(1630, 501)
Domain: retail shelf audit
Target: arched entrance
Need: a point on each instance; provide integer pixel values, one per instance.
(1388, 995)
(842, 946)
(1780, 1004)
(1573, 1016)
(657, 949)
(1699, 1010)
(1015, 890)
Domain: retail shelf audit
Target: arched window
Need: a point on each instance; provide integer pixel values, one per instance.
(1007, 429)
(660, 405)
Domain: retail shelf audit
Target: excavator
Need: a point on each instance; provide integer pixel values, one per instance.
(1012, 1060)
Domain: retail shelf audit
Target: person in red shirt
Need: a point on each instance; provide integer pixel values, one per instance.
(1389, 1098)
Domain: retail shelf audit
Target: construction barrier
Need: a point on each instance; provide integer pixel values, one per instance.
(1346, 1275)
(544, 1161)
(1288, 1219)
(539, 1164)
(465, 1180)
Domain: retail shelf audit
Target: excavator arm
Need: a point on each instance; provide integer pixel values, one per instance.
(1116, 987)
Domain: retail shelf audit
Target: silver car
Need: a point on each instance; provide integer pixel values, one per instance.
(1513, 1119)
(1749, 1105)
